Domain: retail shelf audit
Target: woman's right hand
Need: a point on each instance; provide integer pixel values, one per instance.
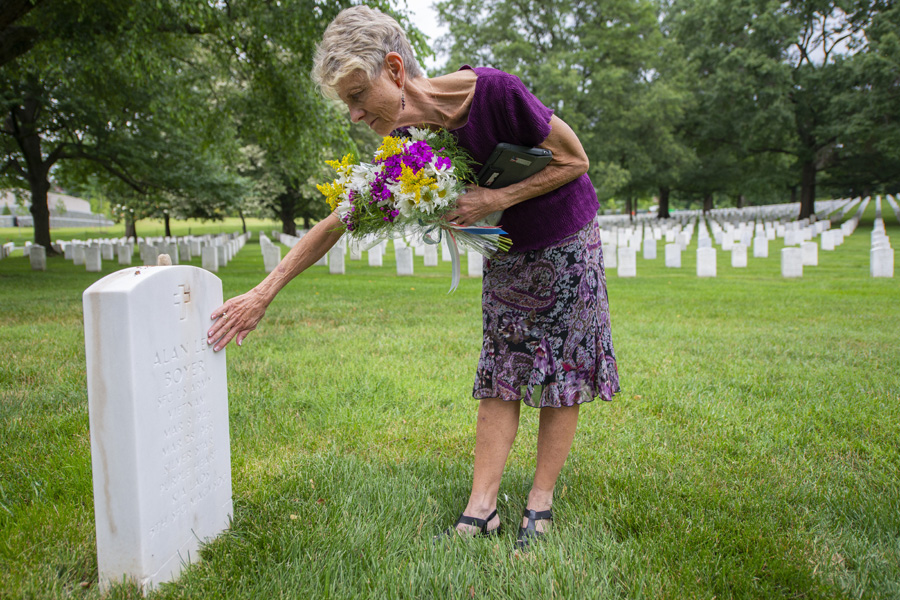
(236, 318)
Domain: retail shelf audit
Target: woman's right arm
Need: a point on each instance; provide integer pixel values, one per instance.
(240, 315)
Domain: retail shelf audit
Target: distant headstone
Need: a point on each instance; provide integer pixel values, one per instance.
(611, 256)
(881, 262)
(627, 262)
(125, 254)
(375, 256)
(149, 255)
(78, 255)
(271, 257)
(649, 248)
(209, 258)
(336, 260)
(38, 258)
(158, 409)
(355, 252)
(92, 262)
(431, 255)
(69, 251)
(760, 247)
(184, 251)
(476, 263)
(791, 262)
(404, 257)
(738, 255)
(810, 252)
(221, 255)
(673, 256)
(706, 262)
(107, 251)
(704, 242)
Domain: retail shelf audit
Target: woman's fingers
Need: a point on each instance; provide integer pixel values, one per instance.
(236, 318)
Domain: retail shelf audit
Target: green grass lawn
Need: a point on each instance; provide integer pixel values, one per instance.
(752, 453)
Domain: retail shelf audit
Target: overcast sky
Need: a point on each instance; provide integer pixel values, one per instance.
(424, 17)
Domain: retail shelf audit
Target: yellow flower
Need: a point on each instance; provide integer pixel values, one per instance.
(333, 192)
(414, 183)
(343, 166)
(390, 146)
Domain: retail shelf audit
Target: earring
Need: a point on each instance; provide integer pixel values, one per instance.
(402, 100)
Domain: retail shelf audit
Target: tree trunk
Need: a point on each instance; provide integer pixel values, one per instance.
(243, 221)
(41, 212)
(286, 207)
(808, 190)
(707, 203)
(131, 228)
(37, 171)
(168, 229)
(629, 209)
(663, 212)
(739, 203)
(307, 222)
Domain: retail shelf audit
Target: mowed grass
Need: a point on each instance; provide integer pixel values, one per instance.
(752, 453)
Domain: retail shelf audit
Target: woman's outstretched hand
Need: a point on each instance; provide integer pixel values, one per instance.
(236, 318)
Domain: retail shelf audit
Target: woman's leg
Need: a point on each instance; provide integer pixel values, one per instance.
(498, 422)
(555, 435)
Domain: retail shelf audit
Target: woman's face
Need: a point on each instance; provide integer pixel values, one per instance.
(376, 101)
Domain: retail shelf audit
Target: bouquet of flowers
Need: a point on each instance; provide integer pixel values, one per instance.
(408, 189)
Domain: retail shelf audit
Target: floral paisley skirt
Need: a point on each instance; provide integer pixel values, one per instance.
(547, 337)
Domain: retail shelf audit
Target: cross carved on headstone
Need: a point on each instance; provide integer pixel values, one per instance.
(182, 298)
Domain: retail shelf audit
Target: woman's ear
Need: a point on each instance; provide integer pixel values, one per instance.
(393, 62)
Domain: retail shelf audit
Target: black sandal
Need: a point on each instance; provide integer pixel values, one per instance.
(529, 533)
(481, 524)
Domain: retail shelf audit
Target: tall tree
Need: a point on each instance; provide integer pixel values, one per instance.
(596, 64)
(119, 84)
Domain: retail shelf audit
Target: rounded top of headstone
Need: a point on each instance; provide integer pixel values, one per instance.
(164, 260)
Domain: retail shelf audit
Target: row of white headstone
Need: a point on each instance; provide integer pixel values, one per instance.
(404, 252)
(736, 238)
(216, 251)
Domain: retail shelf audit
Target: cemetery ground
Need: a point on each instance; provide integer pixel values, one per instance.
(752, 453)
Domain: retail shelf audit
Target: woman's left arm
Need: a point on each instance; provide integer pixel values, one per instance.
(568, 164)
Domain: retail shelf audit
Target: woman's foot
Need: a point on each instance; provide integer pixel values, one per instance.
(533, 526)
(472, 526)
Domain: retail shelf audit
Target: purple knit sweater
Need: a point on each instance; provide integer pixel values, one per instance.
(503, 110)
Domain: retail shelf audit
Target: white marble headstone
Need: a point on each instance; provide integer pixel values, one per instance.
(209, 258)
(476, 263)
(271, 257)
(738, 255)
(431, 255)
(404, 257)
(760, 247)
(38, 258)
(881, 262)
(78, 254)
(810, 252)
(673, 255)
(376, 256)
(627, 262)
(125, 254)
(791, 262)
(649, 248)
(706, 262)
(610, 256)
(336, 260)
(158, 408)
(92, 262)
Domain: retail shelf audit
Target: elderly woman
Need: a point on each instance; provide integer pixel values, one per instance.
(547, 340)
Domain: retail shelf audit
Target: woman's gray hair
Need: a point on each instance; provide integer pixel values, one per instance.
(359, 38)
